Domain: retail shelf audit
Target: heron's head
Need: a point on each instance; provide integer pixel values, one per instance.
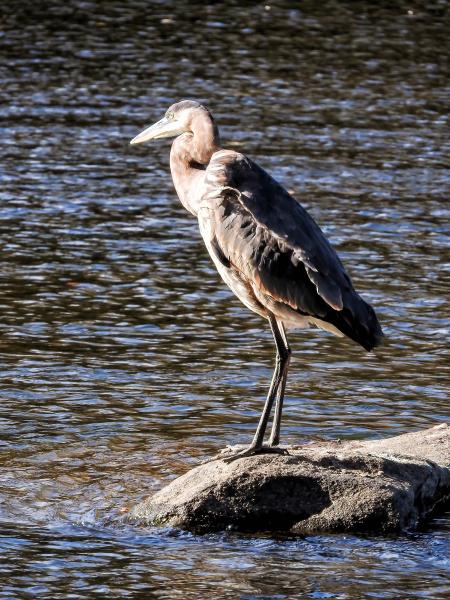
(179, 118)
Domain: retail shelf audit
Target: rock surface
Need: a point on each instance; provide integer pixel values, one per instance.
(375, 486)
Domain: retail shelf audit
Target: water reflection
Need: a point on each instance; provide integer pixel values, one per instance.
(125, 360)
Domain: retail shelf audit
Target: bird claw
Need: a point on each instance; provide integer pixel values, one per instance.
(248, 451)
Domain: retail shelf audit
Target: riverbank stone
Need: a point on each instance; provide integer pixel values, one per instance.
(367, 486)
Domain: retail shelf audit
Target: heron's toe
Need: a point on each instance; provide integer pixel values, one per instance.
(248, 451)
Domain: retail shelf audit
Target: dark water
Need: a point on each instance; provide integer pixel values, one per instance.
(125, 361)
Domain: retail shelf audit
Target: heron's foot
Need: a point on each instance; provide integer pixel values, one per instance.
(248, 451)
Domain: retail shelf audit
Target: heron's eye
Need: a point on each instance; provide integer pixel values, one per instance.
(170, 115)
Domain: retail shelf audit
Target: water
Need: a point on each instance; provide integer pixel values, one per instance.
(125, 361)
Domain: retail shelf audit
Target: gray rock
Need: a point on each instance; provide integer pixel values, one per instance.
(376, 486)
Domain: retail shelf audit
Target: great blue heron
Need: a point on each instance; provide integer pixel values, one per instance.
(266, 247)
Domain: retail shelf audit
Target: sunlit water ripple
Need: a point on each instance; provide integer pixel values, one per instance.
(125, 360)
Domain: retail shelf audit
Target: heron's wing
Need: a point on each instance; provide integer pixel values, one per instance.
(255, 217)
(262, 231)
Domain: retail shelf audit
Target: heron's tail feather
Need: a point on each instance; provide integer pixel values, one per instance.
(359, 322)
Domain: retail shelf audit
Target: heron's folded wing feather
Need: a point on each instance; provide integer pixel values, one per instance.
(284, 248)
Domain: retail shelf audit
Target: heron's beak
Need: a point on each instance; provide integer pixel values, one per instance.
(163, 128)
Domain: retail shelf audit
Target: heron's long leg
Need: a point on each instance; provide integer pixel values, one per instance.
(275, 434)
(277, 378)
(282, 357)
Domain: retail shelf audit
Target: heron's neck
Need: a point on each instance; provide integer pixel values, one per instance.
(189, 157)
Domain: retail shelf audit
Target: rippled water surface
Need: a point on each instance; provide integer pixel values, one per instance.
(125, 360)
